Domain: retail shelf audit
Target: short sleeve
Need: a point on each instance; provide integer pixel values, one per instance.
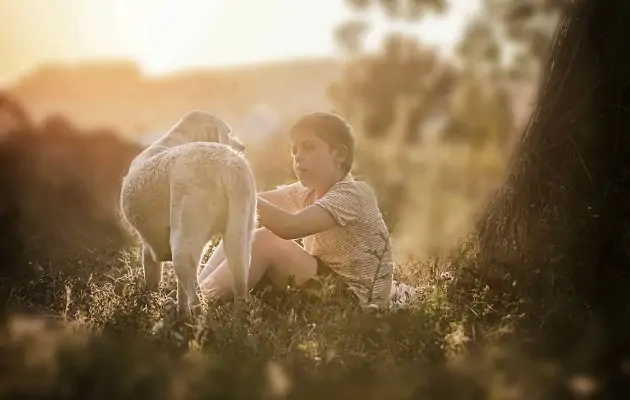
(290, 196)
(345, 201)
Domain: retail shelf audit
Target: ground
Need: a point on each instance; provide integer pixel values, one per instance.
(99, 336)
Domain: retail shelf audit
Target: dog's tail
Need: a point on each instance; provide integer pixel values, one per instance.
(240, 191)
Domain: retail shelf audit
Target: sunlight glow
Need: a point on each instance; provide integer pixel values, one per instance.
(163, 36)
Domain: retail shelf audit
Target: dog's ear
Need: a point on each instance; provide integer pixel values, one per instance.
(236, 144)
(220, 131)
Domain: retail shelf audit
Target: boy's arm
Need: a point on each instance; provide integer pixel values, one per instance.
(283, 196)
(343, 204)
(276, 196)
(289, 226)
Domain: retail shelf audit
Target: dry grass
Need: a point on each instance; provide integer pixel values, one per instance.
(99, 336)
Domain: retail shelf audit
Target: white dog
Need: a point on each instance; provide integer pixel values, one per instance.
(187, 186)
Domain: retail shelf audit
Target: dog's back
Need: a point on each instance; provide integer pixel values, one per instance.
(221, 176)
(218, 176)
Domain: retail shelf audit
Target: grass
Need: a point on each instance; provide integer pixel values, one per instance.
(286, 325)
(98, 335)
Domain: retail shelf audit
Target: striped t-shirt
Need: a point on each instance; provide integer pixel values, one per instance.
(359, 247)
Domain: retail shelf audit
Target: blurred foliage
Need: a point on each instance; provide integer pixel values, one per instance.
(510, 37)
(59, 191)
(406, 101)
(411, 10)
(271, 171)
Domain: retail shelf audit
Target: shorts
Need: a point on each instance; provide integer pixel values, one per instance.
(323, 269)
(340, 287)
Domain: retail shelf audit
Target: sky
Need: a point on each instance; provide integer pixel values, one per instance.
(165, 36)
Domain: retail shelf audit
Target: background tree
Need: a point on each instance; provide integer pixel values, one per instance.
(510, 37)
(406, 96)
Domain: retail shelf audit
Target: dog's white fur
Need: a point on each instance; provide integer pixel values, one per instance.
(181, 190)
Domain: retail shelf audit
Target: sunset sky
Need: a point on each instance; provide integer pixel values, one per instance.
(169, 35)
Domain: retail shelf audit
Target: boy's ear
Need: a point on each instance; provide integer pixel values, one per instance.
(342, 152)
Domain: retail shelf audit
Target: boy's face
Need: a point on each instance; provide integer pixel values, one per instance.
(314, 162)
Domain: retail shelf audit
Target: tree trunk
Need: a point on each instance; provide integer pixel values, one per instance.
(560, 226)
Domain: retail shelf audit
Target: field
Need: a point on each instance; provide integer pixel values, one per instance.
(504, 184)
(77, 325)
(100, 336)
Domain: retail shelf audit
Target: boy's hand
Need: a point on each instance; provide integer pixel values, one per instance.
(289, 226)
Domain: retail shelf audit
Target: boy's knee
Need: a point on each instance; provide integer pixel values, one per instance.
(264, 241)
(263, 235)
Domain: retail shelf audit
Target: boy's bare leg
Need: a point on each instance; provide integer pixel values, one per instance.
(272, 256)
(217, 257)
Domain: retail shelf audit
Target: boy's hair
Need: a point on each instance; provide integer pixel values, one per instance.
(332, 129)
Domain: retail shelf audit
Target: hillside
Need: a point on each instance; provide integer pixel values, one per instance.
(118, 95)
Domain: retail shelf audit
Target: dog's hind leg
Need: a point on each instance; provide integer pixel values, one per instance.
(152, 268)
(190, 231)
(237, 239)
(237, 242)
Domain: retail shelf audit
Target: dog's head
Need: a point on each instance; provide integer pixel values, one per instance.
(202, 126)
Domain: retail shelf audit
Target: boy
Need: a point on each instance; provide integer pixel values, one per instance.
(337, 217)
